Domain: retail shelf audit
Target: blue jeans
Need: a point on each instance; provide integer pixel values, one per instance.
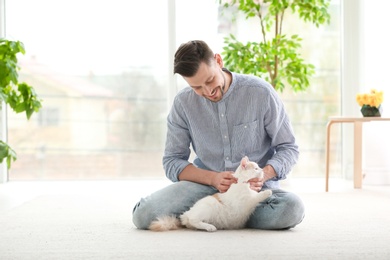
(283, 210)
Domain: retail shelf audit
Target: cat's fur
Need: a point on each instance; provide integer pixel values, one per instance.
(229, 210)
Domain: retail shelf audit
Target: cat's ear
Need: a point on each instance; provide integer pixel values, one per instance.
(244, 161)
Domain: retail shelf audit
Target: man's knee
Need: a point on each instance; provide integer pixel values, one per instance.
(295, 209)
(283, 210)
(140, 219)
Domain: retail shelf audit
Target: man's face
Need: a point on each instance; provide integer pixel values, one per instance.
(208, 81)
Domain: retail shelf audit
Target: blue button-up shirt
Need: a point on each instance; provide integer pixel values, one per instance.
(250, 120)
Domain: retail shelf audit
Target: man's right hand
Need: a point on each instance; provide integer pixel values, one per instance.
(223, 180)
(220, 180)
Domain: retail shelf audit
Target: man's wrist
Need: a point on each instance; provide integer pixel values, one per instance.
(269, 172)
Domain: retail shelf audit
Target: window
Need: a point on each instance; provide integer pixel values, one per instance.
(48, 117)
(103, 71)
(100, 68)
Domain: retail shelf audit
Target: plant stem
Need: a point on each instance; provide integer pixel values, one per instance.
(268, 67)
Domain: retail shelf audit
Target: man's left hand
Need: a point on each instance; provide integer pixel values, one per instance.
(256, 184)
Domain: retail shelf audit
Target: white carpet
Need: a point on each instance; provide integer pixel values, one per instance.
(92, 220)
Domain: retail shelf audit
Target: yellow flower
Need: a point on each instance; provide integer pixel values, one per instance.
(359, 99)
(373, 99)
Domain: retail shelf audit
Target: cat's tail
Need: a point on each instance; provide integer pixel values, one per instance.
(165, 223)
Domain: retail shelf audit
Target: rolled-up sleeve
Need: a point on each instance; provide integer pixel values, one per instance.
(279, 128)
(177, 147)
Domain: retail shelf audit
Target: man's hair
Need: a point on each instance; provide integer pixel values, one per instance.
(189, 56)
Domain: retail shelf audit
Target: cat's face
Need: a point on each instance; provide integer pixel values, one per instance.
(248, 170)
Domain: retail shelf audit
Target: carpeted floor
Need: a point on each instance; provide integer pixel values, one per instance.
(92, 220)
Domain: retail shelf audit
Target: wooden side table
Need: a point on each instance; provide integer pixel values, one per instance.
(357, 154)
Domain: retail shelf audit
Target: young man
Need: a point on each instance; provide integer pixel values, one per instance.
(224, 116)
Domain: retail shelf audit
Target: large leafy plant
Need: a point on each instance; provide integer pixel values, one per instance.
(275, 56)
(18, 95)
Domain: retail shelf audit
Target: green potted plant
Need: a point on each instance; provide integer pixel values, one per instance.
(275, 56)
(20, 96)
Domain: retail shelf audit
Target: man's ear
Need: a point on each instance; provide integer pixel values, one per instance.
(218, 60)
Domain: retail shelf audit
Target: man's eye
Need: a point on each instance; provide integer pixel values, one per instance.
(210, 81)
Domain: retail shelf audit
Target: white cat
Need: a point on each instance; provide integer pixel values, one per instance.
(229, 210)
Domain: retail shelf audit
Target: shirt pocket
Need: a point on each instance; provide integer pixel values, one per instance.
(245, 139)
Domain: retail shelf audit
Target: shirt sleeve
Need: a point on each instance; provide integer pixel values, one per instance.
(177, 148)
(278, 127)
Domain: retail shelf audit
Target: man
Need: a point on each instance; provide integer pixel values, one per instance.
(224, 116)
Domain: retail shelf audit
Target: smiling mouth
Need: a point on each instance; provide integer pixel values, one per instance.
(214, 92)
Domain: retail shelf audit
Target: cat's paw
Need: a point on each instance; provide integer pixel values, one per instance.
(211, 228)
(207, 227)
(267, 192)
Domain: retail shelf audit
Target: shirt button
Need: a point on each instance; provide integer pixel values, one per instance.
(222, 115)
(225, 136)
(227, 158)
(245, 126)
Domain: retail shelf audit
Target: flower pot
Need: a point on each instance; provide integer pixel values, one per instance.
(369, 111)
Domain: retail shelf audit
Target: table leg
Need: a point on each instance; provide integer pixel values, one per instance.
(357, 160)
(327, 155)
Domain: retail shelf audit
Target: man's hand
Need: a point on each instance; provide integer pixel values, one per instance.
(256, 184)
(223, 180)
